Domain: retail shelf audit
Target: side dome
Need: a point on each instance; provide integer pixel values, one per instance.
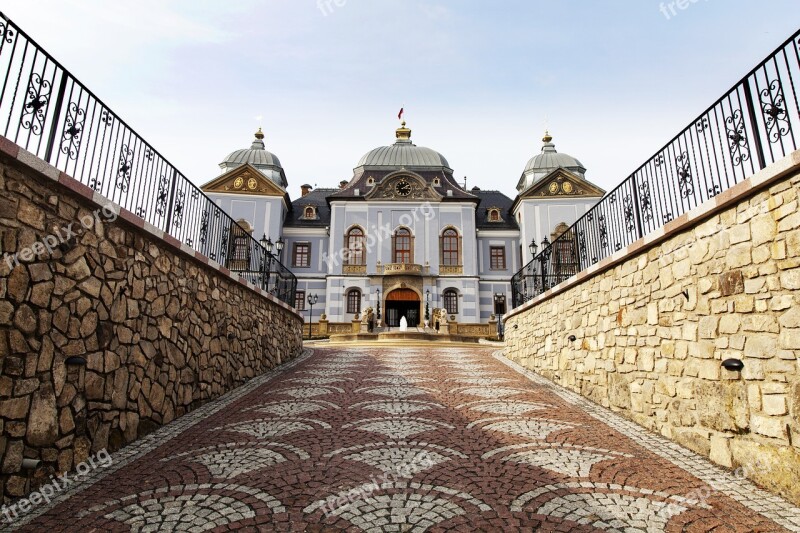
(257, 156)
(546, 162)
(403, 154)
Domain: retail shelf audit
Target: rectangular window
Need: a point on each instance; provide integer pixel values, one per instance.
(301, 255)
(497, 257)
(300, 300)
(354, 301)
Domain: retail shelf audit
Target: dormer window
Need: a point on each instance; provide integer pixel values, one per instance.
(436, 182)
(370, 181)
(494, 215)
(310, 212)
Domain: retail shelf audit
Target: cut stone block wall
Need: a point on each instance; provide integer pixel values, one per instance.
(654, 323)
(162, 330)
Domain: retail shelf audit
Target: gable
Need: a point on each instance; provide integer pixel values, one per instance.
(246, 180)
(403, 186)
(562, 183)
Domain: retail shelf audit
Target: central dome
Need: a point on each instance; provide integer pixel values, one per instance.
(404, 154)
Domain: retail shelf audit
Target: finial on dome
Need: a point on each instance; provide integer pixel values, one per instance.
(403, 133)
(547, 137)
(259, 134)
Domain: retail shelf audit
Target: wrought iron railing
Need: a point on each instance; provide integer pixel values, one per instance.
(44, 109)
(753, 125)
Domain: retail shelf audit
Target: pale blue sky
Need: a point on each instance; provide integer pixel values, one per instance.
(614, 79)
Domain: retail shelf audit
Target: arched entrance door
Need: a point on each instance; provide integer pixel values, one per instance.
(402, 303)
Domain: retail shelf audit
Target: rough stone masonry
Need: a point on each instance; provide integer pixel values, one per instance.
(161, 332)
(653, 330)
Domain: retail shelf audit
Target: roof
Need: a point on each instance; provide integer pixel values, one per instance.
(491, 199)
(403, 154)
(257, 156)
(316, 198)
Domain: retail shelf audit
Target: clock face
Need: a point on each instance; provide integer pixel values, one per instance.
(403, 188)
(554, 187)
(252, 183)
(238, 182)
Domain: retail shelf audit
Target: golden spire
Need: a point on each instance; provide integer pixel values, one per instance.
(403, 133)
(259, 135)
(547, 137)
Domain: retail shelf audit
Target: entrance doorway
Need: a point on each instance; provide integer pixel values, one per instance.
(402, 303)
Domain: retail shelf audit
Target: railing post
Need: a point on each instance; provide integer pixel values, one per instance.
(636, 208)
(751, 110)
(173, 185)
(51, 141)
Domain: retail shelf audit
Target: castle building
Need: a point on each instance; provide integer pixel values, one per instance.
(402, 231)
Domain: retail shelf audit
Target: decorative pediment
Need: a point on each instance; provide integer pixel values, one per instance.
(403, 186)
(245, 179)
(561, 182)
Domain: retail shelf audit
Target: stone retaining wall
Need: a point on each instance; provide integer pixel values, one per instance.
(653, 324)
(161, 329)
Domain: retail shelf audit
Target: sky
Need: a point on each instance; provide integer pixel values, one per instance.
(613, 80)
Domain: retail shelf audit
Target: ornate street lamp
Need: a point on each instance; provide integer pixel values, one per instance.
(279, 247)
(544, 259)
(379, 307)
(427, 307)
(312, 299)
(266, 261)
(533, 247)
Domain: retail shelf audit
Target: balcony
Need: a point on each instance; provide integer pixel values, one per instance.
(354, 269)
(451, 270)
(402, 269)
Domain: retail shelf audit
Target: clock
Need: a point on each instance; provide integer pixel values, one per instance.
(402, 188)
(238, 182)
(567, 187)
(553, 188)
(252, 183)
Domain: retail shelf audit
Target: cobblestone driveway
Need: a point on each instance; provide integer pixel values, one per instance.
(413, 439)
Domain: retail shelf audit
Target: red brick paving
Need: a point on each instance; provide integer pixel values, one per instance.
(472, 463)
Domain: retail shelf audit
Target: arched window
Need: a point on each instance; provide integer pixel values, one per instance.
(494, 215)
(451, 301)
(402, 246)
(355, 247)
(354, 301)
(310, 212)
(240, 243)
(450, 248)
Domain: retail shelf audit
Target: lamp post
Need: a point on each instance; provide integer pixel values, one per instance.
(427, 306)
(266, 261)
(312, 299)
(379, 308)
(279, 248)
(544, 258)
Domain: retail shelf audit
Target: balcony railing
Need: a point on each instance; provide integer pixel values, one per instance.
(44, 109)
(354, 269)
(751, 126)
(398, 269)
(451, 270)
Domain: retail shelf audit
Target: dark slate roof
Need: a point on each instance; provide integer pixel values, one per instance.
(316, 198)
(494, 199)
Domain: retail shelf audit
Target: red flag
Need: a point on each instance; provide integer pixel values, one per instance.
(400, 114)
